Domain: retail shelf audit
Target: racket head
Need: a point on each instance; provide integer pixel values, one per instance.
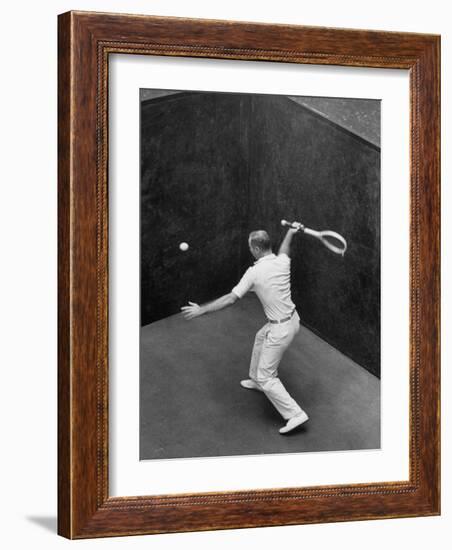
(333, 241)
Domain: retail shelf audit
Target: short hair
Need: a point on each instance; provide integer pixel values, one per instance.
(260, 239)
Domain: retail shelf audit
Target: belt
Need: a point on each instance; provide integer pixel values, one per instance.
(282, 320)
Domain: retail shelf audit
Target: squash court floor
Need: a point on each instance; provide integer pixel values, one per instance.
(192, 404)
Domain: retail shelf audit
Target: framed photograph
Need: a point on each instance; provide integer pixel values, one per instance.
(248, 275)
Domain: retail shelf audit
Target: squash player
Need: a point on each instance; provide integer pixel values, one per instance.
(269, 278)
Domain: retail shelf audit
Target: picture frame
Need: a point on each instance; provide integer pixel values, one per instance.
(85, 42)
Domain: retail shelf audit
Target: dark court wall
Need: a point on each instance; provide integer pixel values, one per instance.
(216, 166)
(194, 171)
(305, 168)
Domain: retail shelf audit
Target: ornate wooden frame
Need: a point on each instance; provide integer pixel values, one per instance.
(85, 42)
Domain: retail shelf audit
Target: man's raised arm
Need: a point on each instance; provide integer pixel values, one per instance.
(285, 245)
(194, 310)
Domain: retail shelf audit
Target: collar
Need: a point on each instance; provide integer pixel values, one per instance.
(266, 257)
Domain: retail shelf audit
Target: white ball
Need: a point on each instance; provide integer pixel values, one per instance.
(183, 246)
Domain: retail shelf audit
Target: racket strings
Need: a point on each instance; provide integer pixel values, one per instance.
(335, 242)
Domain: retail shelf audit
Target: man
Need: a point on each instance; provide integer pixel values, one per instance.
(269, 278)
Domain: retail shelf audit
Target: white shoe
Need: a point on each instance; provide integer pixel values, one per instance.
(250, 385)
(294, 422)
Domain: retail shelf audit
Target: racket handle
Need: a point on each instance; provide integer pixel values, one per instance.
(293, 225)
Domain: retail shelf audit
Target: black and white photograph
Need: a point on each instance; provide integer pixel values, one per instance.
(224, 235)
(259, 274)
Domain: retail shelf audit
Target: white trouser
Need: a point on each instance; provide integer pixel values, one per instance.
(270, 343)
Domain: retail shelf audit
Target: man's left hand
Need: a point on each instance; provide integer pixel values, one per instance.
(191, 311)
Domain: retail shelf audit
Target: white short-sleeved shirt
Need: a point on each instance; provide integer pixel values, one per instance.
(269, 278)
